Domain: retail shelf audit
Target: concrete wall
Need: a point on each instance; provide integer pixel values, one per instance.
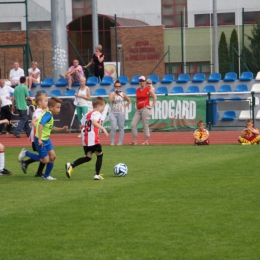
(197, 42)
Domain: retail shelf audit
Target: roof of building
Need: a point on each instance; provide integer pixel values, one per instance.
(124, 22)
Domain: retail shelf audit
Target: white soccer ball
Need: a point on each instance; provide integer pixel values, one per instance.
(120, 170)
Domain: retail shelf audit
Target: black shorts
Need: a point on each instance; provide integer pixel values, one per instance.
(92, 149)
(34, 147)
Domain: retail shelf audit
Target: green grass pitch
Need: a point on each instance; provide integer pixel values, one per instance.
(176, 202)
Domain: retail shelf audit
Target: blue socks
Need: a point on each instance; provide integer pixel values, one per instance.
(48, 169)
(33, 156)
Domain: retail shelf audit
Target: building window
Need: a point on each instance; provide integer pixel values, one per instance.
(171, 12)
(251, 17)
(223, 19)
(81, 7)
(40, 25)
(10, 26)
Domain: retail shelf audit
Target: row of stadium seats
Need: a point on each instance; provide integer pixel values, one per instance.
(162, 90)
(167, 78)
(231, 115)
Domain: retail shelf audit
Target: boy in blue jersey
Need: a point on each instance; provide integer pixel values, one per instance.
(44, 126)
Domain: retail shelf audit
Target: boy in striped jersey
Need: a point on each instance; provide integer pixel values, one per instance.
(90, 139)
(201, 135)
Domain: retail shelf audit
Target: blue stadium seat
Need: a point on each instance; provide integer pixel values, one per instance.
(35, 85)
(246, 76)
(161, 90)
(75, 84)
(193, 89)
(229, 115)
(183, 78)
(220, 99)
(112, 90)
(225, 88)
(48, 82)
(167, 78)
(70, 92)
(107, 80)
(100, 92)
(177, 90)
(230, 76)
(199, 77)
(123, 79)
(135, 79)
(130, 91)
(55, 92)
(154, 78)
(209, 88)
(92, 81)
(214, 77)
(30, 93)
(241, 88)
(62, 82)
(235, 99)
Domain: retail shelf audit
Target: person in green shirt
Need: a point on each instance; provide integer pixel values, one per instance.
(20, 96)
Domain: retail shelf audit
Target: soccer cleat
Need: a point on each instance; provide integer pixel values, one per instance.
(22, 154)
(49, 178)
(79, 136)
(24, 166)
(246, 143)
(69, 169)
(5, 172)
(38, 175)
(98, 177)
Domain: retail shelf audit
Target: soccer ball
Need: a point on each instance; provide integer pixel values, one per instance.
(120, 170)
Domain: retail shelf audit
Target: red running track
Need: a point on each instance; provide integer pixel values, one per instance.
(157, 138)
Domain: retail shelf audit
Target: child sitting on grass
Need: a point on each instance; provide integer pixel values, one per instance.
(201, 135)
(250, 134)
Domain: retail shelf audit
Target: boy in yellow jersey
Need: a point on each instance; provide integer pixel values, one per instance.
(44, 126)
(201, 135)
(250, 134)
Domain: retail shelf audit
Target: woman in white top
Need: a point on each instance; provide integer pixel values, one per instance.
(117, 115)
(82, 97)
(34, 75)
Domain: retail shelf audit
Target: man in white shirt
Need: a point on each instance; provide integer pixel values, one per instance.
(15, 74)
(6, 105)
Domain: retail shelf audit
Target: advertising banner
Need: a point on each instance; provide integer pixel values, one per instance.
(171, 113)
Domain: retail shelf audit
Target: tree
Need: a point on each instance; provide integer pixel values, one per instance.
(224, 65)
(233, 54)
(253, 61)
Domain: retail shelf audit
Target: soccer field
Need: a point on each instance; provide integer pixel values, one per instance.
(176, 202)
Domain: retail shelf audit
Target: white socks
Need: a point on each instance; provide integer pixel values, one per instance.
(2, 160)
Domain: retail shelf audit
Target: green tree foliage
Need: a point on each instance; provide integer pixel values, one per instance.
(252, 55)
(233, 55)
(223, 55)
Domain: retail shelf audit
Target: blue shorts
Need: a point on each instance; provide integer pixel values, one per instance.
(43, 151)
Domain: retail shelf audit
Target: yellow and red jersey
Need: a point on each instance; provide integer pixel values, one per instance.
(201, 134)
(249, 134)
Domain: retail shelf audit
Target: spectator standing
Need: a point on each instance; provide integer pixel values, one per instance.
(98, 63)
(34, 75)
(6, 105)
(82, 98)
(74, 73)
(20, 96)
(117, 115)
(143, 110)
(15, 74)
